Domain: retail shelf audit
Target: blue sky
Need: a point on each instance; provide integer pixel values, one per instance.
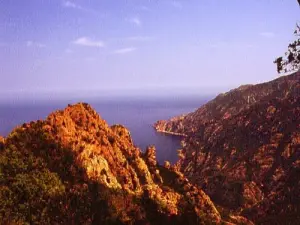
(140, 46)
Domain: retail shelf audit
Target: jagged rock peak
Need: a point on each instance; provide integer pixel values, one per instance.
(150, 155)
(82, 114)
(99, 168)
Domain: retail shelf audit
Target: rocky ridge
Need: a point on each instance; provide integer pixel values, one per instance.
(228, 104)
(243, 149)
(72, 168)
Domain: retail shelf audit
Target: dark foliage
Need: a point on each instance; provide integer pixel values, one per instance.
(291, 61)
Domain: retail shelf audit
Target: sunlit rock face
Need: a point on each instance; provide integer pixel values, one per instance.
(243, 149)
(73, 168)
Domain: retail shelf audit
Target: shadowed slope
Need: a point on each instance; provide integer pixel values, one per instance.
(243, 147)
(73, 168)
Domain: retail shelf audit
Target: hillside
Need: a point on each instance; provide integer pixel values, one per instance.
(228, 104)
(243, 149)
(72, 168)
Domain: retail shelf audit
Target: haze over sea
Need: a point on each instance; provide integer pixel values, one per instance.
(136, 114)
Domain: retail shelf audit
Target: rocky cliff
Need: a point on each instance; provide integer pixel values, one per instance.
(243, 149)
(72, 168)
(229, 104)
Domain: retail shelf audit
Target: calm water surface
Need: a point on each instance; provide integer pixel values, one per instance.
(138, 115)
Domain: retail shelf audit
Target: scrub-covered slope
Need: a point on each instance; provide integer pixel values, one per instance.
(243, 149)
(73, 168)
(229, 104)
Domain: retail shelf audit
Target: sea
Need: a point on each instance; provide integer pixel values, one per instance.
(136, 114)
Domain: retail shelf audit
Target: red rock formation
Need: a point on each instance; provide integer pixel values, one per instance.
(97, 176)
(243, 148)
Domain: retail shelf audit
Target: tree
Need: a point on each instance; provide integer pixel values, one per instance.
(291, 61)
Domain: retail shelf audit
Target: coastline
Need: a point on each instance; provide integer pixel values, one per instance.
(170, 133)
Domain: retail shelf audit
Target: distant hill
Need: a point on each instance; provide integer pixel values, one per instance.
(229, 104)
(72, 168)
(243, 149)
